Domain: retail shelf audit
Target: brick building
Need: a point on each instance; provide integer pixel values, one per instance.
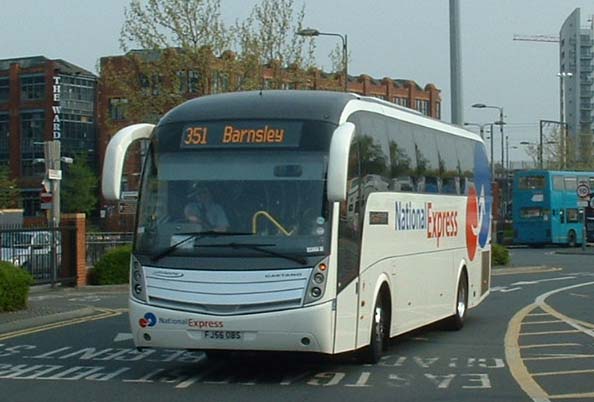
(190, 83)
(42, 100)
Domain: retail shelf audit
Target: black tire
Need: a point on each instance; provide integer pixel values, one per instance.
(571, 238)
(372, 353)
(456, 321)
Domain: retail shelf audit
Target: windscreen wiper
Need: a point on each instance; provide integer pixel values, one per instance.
(260, 247)
(193, 236)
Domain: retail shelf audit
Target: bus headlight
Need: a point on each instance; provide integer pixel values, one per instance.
(317, 282)
(137, 284)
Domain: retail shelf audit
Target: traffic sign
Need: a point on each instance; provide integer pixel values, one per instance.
(583, 190)
(45, 197)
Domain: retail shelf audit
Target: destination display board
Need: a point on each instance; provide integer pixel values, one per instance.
(243, 134)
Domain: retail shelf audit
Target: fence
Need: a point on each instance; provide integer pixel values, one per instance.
(47, 253)
(101, 242)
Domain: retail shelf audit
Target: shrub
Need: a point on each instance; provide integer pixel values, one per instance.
(14, 287)
(113, 268)
(499, 254)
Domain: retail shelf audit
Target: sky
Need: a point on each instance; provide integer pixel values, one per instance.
(403, 39)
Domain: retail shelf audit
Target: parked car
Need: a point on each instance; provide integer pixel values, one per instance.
(29, 249)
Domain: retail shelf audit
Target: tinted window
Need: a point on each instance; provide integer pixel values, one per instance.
(531, 183)
(402, 156)
(570, 183)
(427, 160)
(465, 152)
(558, 183)
(448, 164)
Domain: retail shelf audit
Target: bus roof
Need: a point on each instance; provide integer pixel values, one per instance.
(286, 104)
(293, 105)
(558, 172)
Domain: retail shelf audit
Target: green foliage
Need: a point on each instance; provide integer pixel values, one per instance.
(113, 268)
(79, 187)
(499, 254)
(14, 287)
(10, 194)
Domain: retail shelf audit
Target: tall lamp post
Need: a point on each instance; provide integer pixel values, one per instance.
(310, 32)
(562, 76)
(504, 197)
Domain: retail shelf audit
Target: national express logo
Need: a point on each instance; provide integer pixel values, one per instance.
(478, 205)
(149, 320)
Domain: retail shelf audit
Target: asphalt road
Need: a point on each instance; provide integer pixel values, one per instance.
(532, 339)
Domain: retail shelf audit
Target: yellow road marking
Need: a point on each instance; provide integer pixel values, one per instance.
(536, 314)
(523, 270)
(103, 313)
(513, 355)
(514, 359)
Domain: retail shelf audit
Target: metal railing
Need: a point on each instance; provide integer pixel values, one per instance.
(99, 243)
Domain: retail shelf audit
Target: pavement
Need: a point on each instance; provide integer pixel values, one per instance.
(48, 305)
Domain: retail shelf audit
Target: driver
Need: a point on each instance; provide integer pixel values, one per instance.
(209, 214)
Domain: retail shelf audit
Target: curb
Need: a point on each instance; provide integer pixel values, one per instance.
(45, 320)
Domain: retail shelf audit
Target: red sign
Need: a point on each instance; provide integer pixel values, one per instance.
(45, 197)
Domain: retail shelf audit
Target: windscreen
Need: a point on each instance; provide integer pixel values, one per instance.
(273, 199)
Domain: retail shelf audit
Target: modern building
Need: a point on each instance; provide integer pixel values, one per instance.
(210, 78)
(575, 76)
(42, 100)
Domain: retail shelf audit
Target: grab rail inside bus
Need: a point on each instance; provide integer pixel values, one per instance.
(271, 219)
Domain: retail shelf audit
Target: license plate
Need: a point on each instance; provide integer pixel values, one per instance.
(223, 335)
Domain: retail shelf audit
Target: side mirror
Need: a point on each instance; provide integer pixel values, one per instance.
(115, 154)
(338, 162)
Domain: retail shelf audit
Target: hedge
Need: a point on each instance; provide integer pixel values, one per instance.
(113, 268)
(499, 254)
(14, 287)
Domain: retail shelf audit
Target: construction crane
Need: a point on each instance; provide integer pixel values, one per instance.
(537, 38)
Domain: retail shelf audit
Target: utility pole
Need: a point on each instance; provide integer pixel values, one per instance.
(455, 64)
(51, 151)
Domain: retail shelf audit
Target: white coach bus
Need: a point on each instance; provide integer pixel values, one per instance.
(341, 221)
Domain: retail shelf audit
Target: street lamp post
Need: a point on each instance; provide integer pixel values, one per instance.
(314, 32)
(564, 146)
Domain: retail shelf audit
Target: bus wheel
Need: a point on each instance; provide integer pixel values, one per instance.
(456, 321)
(372, 353)
(571, 238)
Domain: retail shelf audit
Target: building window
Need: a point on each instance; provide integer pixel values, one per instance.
(220, 82)
(32, 128)
(4, 89)
(117, 109)
(438, 110)
(32, 87)
(423, 106)
(77, 94)
(189, 81)
(400, 100)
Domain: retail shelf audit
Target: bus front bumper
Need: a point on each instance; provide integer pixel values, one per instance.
(307, 329)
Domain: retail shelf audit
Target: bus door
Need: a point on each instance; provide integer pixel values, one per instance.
(349, 252)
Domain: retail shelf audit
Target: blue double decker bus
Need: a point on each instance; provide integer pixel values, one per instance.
(546, 207)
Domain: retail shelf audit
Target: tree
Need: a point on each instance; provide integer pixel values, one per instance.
(183, 49)
(10, 194)
(79, 187)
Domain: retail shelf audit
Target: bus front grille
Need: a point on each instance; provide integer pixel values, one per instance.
(221, 309)
(226, 292)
